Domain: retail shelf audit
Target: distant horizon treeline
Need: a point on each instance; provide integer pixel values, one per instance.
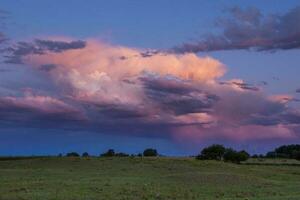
(212, 152)
(221, 153)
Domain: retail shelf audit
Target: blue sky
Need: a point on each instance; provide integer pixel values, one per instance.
(136, 25)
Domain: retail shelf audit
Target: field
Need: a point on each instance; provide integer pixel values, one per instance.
(147, 178)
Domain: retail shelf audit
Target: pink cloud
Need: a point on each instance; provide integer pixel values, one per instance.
(115, 86)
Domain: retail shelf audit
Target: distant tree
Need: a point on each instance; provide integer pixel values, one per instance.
(255, 156)
(213, 152)
(271, 154)
(296, 155)
(109, 153)
(284, 151)
(261, 156)
(85, 154)
(59, 155)
(235, 156)
(121, 154)
(150, 152)
(139, 155)
(287, 151)
(245, 153)
(72, 154)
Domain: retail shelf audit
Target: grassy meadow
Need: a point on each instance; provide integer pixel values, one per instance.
(147, 178)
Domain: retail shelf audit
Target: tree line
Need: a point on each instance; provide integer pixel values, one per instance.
(213, 152)
(219, 152)
(111, 153)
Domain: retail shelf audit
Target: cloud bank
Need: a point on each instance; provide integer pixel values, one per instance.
(118, 90)
(249, 29)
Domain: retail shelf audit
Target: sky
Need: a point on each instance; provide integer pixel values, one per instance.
(129, 75)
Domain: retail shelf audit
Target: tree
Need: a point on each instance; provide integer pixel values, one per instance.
(121, 154)
(271, 154)
(150, 152)
(296, 155)
(255, 156)
(284, 151)
(85, 154)
(235, 156)
(72, 154)
(213, 152)
(109, 153)
(245, 153)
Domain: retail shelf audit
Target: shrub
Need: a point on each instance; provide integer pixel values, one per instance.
(150, 152)
(85, 154)
(72, 154)
(213, 152)
(109, 153)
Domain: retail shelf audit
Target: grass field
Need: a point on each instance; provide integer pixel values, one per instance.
(146, 178)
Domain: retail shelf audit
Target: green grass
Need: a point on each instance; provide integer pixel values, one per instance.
(147, 178)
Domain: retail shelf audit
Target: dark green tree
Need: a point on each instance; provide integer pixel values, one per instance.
(213, 152)
(235, 156)
(150, 152)
(109, 153)
(85, 154)
(72, 154)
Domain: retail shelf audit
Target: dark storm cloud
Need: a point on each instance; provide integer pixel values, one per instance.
(59, 46)
(251, 30)
(35, 112)
(286, 117)
(177, 96)
(168, 85)
(114, 111)
(38, 46)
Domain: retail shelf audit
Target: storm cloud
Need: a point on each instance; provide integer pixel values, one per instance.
(17, 51)
(250, 29)
(178, 96)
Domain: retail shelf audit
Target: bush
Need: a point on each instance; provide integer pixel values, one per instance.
(150, 152)
(85, 154)
(109, 153)
(72, 154)
(213, 152)
(235, 156)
